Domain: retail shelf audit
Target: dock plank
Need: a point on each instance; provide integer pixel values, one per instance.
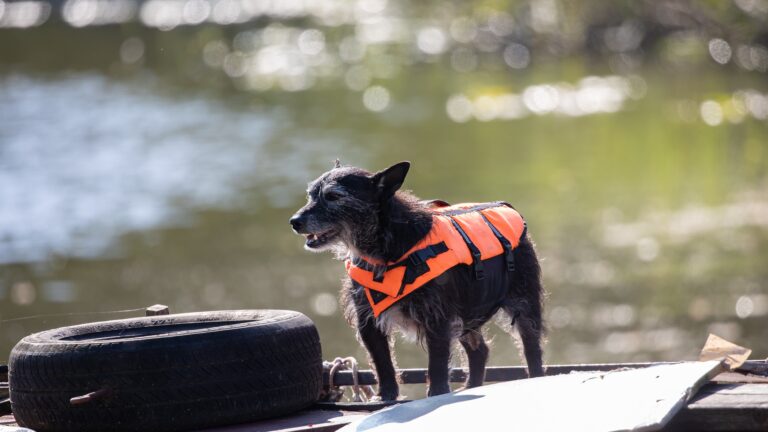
(731, 395)
(637, 399)
(725, 407)
(732, 401)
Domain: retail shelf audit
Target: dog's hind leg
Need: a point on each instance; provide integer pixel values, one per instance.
(527, 319)
(529, 328)
(477, 354)
(524, 305)
(439, 350)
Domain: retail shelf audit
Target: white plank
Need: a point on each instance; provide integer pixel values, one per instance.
(636, 399)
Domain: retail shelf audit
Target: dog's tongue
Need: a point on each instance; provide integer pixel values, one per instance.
(312, 239)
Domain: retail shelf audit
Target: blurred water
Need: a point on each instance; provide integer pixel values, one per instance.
(162, 166)
(108, 159)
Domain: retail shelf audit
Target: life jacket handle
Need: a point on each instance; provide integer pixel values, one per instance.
(509, 256)
(477, 262)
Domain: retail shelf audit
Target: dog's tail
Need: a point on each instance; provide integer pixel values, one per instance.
(524, 305)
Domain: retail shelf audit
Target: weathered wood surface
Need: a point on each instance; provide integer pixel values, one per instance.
(733, 401)
(492, 373)
(736, 377)
(508, 373)
(308, 420)
(725, 407)
(643, 399)
(716, 407)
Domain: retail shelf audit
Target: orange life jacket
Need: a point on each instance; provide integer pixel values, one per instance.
(460, 234)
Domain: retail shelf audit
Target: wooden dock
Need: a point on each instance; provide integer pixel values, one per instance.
(731, 401)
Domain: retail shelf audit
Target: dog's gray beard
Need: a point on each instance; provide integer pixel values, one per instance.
(345, 247)
(358, 239)
(346, 244)
(340, 251)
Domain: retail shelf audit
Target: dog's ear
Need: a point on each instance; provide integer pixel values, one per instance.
(388, 181)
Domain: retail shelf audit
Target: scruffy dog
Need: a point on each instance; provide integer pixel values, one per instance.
(385, 235)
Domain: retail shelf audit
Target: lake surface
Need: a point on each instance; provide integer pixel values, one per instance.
(162, 167)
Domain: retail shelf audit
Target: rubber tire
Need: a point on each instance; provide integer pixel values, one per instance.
(167, 373)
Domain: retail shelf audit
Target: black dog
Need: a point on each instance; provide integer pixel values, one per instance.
(359, 214)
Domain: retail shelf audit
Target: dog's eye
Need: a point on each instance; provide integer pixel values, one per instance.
(331, 195)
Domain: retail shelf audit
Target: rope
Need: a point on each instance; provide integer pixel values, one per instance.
(334, 393)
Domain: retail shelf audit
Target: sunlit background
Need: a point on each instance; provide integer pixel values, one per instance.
(153, 151)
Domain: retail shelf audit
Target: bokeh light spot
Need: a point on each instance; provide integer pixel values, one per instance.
(357, 78)
(744, 307)
(132, 50)
(720, 51)
(214, 53)
(464, 60)
(541, 98)
(376, 98)
(351, 50)
(459, 108)
(324, 304)
(196, 11)
(486, 108)
(517, 56)
(23, 293)
(711, 112)
(647, 249)
(431, 40)
(463, 29)
(23, 14)
(311, 42)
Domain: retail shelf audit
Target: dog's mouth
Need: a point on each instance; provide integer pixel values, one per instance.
(316, 240)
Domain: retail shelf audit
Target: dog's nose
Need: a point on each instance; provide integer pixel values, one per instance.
(297, 222)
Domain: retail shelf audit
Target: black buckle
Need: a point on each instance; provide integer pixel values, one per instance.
(411, 273)
(510, 258)
(378, 273)
(477, 264)
(418, 262)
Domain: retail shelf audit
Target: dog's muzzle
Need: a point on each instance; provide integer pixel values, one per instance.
(298, 223)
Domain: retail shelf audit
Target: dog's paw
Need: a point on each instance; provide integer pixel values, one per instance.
(435, 390)
(388, 392)
(385, 398)
(387, 395)
(467, 386)
(380, 398)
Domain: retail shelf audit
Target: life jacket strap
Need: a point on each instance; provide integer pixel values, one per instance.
(477, 262)
(416, 263)
(509, 256)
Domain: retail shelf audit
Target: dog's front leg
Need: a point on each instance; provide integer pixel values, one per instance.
(377, 344)
(439, 349)
(477, 354)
